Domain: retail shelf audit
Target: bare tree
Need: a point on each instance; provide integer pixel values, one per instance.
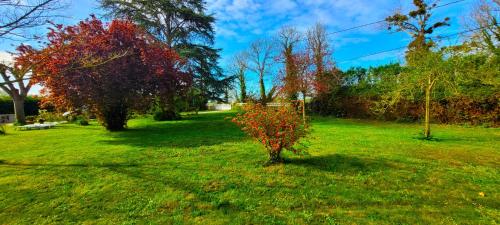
(305, 77)
(260, 56)
(288, 38)
(20, 15)
(485, 17)
(239, 66)
(317, 44)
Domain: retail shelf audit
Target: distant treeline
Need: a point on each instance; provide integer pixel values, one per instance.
(361, 92)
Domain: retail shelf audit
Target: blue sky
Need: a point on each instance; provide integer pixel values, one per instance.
(239, 22)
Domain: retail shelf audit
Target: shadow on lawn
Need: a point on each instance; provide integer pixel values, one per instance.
(104, 165)
(195, 187)
(150, 176)
(451, 139)
(339, 163)
(195, 131)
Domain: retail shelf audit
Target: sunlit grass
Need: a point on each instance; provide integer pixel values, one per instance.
(204, 170)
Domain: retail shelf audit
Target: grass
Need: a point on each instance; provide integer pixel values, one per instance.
(203, 170)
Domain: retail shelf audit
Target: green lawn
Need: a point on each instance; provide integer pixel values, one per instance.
(204, 170)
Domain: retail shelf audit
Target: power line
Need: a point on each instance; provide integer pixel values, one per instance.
(343, 61)
(404, 47)
(356, 27)
(372, 54)
(381, 21)
(449, 3)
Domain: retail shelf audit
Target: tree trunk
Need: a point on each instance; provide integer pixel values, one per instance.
(167, 108)
(243, 90)
(427, 130)
(275, 157)
(262, 91)
(19, 109)
(304, 108)
(115, 118)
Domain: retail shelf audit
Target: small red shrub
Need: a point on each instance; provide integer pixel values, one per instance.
(275, 128)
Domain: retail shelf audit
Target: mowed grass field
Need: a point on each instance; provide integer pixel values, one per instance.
(204, 170)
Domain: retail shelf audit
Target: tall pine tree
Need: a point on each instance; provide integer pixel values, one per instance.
(184, 26)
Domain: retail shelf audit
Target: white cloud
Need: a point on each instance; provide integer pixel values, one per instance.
(262, 16)
(282, 6)
(6, 57)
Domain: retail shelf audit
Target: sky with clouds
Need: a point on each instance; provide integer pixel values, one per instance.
(239, 22)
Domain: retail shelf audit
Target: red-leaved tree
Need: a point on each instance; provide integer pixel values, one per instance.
(303, 81)
(275, 128)
(109, 70)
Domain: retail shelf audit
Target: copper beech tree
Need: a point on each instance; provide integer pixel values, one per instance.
(109, 70)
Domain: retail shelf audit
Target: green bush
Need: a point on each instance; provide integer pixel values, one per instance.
(31, 105)
(82, 121)
(159, 115)
(3, 129)
(237, 107)
(49, 116)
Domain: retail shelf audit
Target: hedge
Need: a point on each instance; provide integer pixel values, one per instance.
(30, 105)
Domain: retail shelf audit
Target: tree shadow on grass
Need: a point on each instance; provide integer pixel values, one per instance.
(150, 175)
(196, 131)
(103, 165)
(338, 163)
(450, 137)
(195, 187)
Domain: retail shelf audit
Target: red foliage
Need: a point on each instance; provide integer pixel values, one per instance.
(25, 57)
(108, 69)
(275, 128)
(308, 80)
(327, 81)
(303, 80)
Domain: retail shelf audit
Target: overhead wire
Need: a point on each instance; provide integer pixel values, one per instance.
(404, 47)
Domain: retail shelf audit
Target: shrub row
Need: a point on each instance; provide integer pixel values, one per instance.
(453, 110)
(31, 105)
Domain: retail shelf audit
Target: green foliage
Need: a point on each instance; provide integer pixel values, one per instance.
(31, 105)
(418, 23)
(3, 129)
(49, 116)
(207, 75)
(466, 90)
(160, 115)
(188, 29)
(81, 120)
(204, 170)
(194, 101)
(238, 108)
